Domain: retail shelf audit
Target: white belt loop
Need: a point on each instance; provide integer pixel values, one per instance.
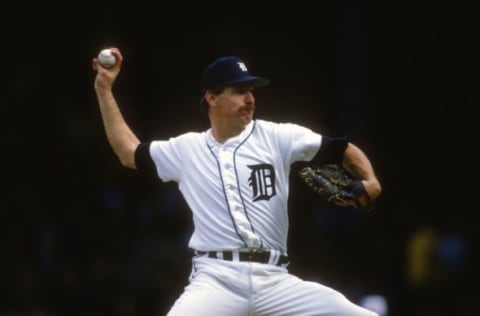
(274, 256)
(235, 255)
(219, 254)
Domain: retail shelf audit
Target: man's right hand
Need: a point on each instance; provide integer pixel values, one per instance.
(106, 76)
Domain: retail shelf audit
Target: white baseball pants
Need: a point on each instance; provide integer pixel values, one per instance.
(228, 288)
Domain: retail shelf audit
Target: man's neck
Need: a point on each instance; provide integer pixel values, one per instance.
(222, 131)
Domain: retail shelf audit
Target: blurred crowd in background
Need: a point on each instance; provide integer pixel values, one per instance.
(81, 235)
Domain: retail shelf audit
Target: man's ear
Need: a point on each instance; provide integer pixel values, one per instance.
(209, 97)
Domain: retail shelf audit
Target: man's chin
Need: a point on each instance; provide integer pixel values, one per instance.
(247, 119)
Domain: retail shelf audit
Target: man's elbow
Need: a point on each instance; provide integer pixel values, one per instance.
(374, 188)
(128, 163)
(127, 158)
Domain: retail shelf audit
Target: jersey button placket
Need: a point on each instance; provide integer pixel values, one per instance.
(233, 197)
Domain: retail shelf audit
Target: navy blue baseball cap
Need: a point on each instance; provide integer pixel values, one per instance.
(229, 71)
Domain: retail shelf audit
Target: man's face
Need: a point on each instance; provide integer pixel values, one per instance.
(236, 103)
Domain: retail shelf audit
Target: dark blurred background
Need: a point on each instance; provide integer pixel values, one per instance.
(81, 235)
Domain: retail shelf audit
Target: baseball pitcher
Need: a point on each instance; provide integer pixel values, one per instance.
(234, 177)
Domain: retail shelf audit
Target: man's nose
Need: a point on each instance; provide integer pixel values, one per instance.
(249, 98)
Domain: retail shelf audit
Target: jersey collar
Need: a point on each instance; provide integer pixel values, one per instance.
(233, 141)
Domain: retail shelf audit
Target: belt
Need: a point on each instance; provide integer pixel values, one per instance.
(259, 256)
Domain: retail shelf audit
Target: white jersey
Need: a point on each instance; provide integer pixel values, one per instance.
(238, 190)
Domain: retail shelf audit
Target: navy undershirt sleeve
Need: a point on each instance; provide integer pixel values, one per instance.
(143, 160)
(331, 150)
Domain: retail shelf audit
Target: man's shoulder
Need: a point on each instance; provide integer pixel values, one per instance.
(262, 123)
(266, 123)
(193, 134)
(190, 136)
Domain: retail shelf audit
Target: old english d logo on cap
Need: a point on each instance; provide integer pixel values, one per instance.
(242, 66)
(229, 70)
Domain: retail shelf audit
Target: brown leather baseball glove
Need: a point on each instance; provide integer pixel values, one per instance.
(336, 185)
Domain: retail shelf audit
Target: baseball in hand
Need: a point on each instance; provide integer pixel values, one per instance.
(106, 58)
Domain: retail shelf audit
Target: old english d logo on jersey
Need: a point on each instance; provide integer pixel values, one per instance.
(262, 181)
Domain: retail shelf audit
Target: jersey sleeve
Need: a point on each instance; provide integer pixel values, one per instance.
(167, 158)
(298, 143)
(303, 144)
(172, 156)
(154, 160)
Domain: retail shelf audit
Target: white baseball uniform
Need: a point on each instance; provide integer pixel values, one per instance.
(238, 194)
